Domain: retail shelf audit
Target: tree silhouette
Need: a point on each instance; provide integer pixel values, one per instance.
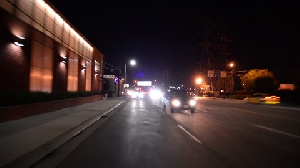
(259, 80)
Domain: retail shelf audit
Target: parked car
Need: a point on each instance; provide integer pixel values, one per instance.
(179, 100)
(271, 100)
(262, 98)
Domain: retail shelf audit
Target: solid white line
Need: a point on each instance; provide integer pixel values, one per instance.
(277, 131)
(192, 136)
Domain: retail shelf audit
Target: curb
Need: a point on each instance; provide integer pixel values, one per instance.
(37, 154)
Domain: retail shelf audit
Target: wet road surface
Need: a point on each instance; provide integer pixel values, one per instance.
(218, 134)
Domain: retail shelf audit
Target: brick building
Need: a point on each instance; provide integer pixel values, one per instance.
(40, 51)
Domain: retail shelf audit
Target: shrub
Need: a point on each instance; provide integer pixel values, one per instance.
(24, 97)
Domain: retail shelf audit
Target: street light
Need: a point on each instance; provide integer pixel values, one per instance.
(198, 82)
(231, 65)
(132, 63)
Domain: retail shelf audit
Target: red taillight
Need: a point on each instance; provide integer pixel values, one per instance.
(267, 98)
(274, 98)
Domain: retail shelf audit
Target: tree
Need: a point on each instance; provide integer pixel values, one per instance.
(259, 80)
(223, 84)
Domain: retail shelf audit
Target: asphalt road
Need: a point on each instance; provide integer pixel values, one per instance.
(221, 133)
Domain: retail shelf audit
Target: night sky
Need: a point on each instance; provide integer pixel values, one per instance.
(165, 35)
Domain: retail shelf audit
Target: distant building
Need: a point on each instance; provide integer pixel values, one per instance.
(110, 83)
(40, 51)
(287, 87)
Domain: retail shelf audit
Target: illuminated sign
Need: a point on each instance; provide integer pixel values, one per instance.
(108, 76)
(210, 73)
(223, 74)
(144, 83)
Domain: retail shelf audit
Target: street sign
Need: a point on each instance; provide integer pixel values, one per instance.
(109, 76)
(217, 74)
(210, 73)
(223, 74)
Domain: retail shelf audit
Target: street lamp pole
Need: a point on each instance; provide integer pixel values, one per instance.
(231, 74)
(133, 63)
(198, 84)
(125, 81)
(119, 82)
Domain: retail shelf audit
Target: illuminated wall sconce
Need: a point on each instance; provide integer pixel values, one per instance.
(97, 72)
(83, 68)
(19, 41)
(63, 60)
(18, 44)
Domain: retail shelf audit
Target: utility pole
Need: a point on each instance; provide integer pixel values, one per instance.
(214, 48)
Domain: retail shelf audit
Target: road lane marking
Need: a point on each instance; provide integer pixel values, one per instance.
(260, 113)
(202, 110)
(192, 136)
(277, 131)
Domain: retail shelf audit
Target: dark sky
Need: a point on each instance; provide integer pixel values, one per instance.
(165, 34)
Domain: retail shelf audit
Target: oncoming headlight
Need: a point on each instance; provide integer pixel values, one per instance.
(134, 94)
(141, 95)
(192, 102)
(176, 103)
(155, 94)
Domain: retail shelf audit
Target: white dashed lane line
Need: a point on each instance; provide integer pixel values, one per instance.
(192, 136)
(276, 131)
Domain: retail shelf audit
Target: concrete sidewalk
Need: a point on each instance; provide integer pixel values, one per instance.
(25, 141)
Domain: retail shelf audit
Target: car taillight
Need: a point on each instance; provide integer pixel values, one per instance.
(268, 98)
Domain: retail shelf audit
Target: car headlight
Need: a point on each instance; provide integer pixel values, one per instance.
(176, 103)
(192, 102)
(134, 94)
(155, 94)
(141, 95)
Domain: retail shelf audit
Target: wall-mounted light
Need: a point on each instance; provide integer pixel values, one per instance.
(63, 60)
(20, 37)
(19, 41)
(83, 68)
(97, 72)
(18, 44)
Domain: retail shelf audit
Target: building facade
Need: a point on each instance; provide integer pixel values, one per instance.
(40, 51)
